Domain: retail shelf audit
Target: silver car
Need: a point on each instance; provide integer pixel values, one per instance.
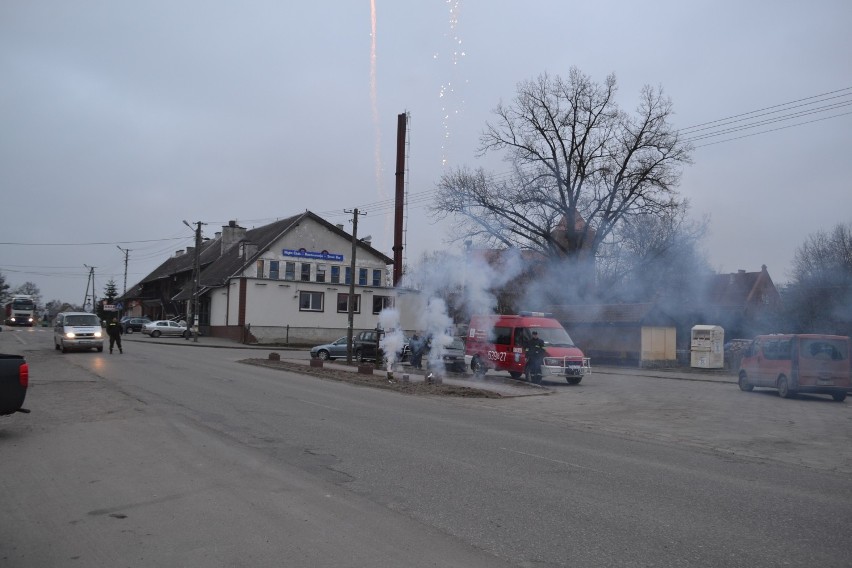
(454, 356)
(164, 327)
(328, 351)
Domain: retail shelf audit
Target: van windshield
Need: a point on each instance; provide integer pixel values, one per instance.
(82, 319)
(554, 336)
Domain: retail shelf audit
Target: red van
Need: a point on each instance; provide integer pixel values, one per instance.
(798, 363)
(497, 342)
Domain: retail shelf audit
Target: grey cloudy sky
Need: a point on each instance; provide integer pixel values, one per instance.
(118, 120)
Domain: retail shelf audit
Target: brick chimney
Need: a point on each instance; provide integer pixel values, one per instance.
(231, 235)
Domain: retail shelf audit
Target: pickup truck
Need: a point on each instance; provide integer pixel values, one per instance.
(14, 380)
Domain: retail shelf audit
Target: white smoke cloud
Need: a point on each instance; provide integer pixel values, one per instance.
(393, 340)
(467, 281)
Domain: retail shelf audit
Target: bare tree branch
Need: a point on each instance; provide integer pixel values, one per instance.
(580, 166)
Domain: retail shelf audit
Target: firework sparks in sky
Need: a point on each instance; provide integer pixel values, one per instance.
(451, 106)
(374, 100)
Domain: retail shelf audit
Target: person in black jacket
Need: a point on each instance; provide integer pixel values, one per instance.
(535, 357)
(114, 333)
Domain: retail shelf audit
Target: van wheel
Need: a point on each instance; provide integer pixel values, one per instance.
(64, 349)
(838, 396)
(359, 356)
(573, 380)
(56, 346)
(477, 367)
(515, 374)
(784, 390)
(744, 384)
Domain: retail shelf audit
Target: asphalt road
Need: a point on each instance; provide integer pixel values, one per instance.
(176, 456)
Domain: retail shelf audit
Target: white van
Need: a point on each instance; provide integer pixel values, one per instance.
(77, 330)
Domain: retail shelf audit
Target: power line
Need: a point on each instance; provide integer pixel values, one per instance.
(67, 244)
(773, 130)
(698, 126)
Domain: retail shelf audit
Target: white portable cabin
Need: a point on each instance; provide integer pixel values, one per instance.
(708, 347)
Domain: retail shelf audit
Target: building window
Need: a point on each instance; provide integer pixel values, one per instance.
(382, 302)
(310, 301)
(289, 271)
(260, 269)
(320, 273)
(343, 304)
(348, 277)
(377, 277)
(335, 274)
(362, 276)
(306, 272)
(273, 270)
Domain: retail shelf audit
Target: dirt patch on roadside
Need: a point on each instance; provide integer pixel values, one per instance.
(375, 381)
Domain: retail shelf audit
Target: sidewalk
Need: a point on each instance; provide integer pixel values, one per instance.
(678, 373)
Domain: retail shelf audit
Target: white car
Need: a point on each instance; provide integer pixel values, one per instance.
(165, 327)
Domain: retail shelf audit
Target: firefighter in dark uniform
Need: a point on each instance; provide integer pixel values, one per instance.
(534, 352)
(114, 333)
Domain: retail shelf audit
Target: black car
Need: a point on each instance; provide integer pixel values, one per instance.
(129, 325)
(365, 345)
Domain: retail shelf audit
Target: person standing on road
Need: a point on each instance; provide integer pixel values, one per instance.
(534, 353)
(416, 346)
(114, 333)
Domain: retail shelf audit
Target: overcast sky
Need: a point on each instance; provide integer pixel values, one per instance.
(119, 120)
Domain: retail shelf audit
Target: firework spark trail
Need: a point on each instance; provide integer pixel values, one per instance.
(376, 122)
(448, 90)
(374, 99)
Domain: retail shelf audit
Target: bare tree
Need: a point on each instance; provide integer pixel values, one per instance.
(4, 289)
(819, 296)
(580, 165)
(652, 257)
(30, 289)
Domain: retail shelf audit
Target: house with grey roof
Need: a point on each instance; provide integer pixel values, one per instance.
(639, 334)
(657, 333)
(285, 282)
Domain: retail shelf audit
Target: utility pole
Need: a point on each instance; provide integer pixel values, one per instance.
(351, 298)
(192, 316)
(91, 281)
(126, 255)
(197, 273)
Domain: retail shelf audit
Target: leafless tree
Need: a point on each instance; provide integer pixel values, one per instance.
(30, 289)
(650, 257)
(819, 296)
(580, 165)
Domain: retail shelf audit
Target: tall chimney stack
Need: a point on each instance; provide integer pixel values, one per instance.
(400, 197)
